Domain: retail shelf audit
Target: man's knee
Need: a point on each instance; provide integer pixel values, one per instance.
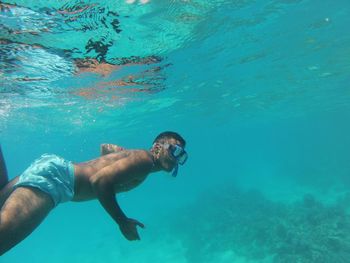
(4, 246)
(2, 249)
(22, 212)
(9, 234)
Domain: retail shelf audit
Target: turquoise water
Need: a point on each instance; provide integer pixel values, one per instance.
(259, 89)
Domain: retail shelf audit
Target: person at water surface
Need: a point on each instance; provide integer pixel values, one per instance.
(27, 199)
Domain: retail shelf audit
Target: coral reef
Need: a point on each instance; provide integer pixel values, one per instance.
(251, 226)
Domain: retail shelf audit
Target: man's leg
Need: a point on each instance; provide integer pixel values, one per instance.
(22, 212)
(7, 190)
(3, 171)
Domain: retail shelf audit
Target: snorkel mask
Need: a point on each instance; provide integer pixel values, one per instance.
(179, 154)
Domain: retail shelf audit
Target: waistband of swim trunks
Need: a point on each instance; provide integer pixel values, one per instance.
(71, 171)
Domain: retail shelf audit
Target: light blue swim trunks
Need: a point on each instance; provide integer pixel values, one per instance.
(52, 175)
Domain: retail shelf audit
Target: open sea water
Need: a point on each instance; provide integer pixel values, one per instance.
(259, 90)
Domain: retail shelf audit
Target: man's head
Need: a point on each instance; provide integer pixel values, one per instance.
(170, 136)
(168, 151)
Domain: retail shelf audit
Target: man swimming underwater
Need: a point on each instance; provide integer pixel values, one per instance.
(50, 180)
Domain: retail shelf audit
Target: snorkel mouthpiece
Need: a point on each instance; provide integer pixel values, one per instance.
(175, 170)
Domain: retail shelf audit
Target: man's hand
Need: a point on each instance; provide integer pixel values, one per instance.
(129, 230)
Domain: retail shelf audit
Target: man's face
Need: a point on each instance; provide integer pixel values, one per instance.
(166, 158)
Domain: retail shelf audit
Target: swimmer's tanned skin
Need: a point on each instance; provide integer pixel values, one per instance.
(117, 170)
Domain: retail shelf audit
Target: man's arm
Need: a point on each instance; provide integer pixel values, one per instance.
(107, 148)
(3, 171)
(103, 184)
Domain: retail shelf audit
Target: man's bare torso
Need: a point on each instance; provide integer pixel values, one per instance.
(84, 172)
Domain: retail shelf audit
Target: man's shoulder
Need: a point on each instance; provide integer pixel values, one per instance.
(138, 152)
(142, 157)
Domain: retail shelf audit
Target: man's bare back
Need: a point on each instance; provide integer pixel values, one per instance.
(85, 173)
(25, 201)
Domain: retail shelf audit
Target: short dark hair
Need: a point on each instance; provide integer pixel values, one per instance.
(162, 137)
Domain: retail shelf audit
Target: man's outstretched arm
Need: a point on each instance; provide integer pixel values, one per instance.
(3, 171)
(103, 184)
(107, 148)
